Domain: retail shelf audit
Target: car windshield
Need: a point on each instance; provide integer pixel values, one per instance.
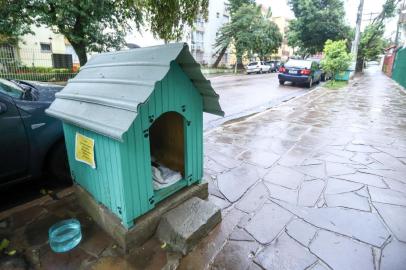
(253, 64)
(11, 89)
(298, 64)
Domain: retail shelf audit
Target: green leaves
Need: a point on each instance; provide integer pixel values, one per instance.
(99, 25)
(250, 32)
(316, 21)
(336, 58)
(168, 18)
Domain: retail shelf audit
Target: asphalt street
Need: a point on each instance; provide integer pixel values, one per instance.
(242, 95)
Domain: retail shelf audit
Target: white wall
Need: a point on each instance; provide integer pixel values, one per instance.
(30, 47)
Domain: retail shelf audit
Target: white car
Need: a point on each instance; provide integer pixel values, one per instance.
(258, 67)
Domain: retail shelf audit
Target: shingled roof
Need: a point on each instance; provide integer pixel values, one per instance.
(105, 95)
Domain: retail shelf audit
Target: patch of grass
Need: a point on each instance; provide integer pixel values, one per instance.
(334, 85)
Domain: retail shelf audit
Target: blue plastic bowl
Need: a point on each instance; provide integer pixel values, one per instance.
(65, 235)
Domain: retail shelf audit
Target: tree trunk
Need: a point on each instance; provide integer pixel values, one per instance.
(221, 54)
(80, 50)
(359, 65)
(239, 63)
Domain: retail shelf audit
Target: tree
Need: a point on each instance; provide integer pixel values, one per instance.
(250, 32)
(168, 18)
(266, 38)
(224, 36)
(102, 25)
(14, 21)
(316, 22)
(372, 42)
(336, 58)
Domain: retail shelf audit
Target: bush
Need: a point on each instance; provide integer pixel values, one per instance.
(336, 58)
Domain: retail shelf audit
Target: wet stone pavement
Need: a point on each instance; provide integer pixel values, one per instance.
(316, 183)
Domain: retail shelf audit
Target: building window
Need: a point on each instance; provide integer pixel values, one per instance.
(218, 14)
(45, 47)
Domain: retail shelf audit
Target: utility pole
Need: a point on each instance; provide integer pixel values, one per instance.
(354, 47)
(401, 9)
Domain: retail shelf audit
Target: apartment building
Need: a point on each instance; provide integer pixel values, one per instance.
(203, 35)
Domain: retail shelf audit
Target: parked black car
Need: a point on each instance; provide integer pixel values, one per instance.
(300, 71)
(274, 65)
(31, 142)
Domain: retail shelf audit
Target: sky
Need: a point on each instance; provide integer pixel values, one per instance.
(281, 8)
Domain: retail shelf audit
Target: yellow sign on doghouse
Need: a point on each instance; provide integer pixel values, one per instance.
(84, 150)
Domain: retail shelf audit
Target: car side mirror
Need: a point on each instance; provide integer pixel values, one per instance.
(3, 107)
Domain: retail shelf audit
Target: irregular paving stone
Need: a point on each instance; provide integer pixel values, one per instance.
(362, 158)
(268, 222)
(364, 178)
(234, 183)
(285, 254)
(94, 240)
(235, 255)
(396, 185)
(315, 170)
(240, 235)
(396, 175)
(393, 256)
(338, 169)
(74, 259)
(364, 226)
(389, 161)
(319, 266)
(361, 148)
(342, 253)
(310, 192)
(254, 198)
(301, 231)
(393, 151)
(387, 196)
(295, 156)
(258, 157)
(281, 193)
(223, 160)
(363, 192)
(335, 186)
(183, 226)
(213, 166)
(284, 176)
(395, 217)
(335, 158)
(221, 203)
(349, 200)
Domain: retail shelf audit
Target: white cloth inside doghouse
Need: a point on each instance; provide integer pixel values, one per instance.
(163, 176)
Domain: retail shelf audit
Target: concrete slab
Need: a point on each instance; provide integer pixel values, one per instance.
(182, 227)
(146, 225)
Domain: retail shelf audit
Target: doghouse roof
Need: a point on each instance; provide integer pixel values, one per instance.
(105, 95)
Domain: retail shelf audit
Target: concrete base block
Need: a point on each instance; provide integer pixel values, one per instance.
(185, 225)
(146, 225)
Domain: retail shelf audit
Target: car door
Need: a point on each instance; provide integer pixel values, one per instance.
(317, 72)
(13, 138)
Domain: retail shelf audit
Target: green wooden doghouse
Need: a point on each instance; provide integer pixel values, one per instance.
(124, 107)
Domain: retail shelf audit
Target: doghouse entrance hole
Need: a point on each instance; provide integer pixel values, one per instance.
(167, 142)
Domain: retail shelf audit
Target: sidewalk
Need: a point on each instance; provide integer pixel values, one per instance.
(316, 183)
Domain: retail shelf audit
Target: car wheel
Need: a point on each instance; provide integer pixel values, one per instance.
(281, 82)
(310, 84)
(57, 164)
(260, 71)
